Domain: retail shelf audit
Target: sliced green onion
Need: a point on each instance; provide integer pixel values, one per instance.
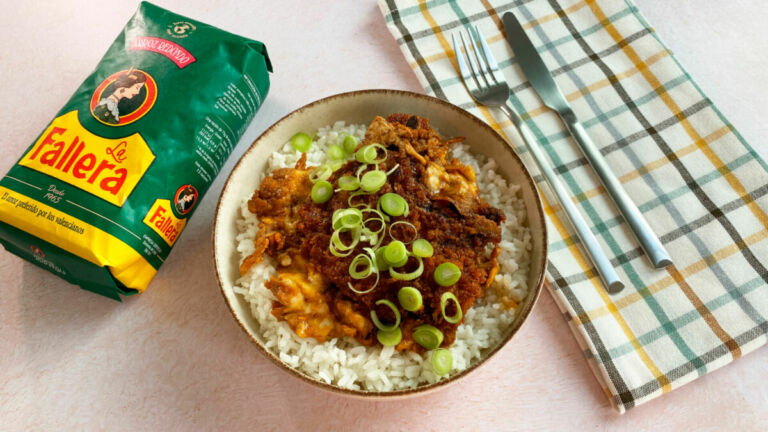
(301, 142)
(348, 183)
(365, 261)
(389, 338)
(346, 218)
(353, 289)
(338, 251)
(442, 361)
(356, 194)
(393, 204)
(400, 263)
(428, 336)
(381, 263)
(370, 237)
(323, 172)
(378, 323)
(360, 170)
(447, 274)
(378, 214)
(377, 218)
(409, 298)
(444, 302)
(381, 159)
(372, 255)
(373, 180)
(369, 259)
(404, 223)
(335, 165)
(338, 244)
(407, 276)
(395, 252)
(374, 235)
(367, 154)
(335, 252)
(422, 248)
(322, 191)
(349, 144)
(335, 152)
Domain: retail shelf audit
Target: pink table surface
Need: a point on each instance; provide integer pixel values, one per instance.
(173, 358)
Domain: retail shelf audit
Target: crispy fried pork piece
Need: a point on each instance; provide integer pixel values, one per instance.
(311, 285)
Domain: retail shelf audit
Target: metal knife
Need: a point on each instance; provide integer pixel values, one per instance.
(544, 84)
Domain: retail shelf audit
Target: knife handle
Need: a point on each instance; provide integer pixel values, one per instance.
(596, 254)
(650, 243)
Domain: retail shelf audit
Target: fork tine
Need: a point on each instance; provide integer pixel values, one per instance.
(475, 72)
(488, 55)
(463, 69)
(480, 58)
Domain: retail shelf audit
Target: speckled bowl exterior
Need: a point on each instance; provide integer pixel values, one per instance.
(361, 107)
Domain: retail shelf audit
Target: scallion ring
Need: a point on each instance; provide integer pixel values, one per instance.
(442, 361)
(339, 244)
(301, 142)
(335, 165)
(444, 302)
(422, 248)
(390, 338)
(381, 159)
(356, 194)
(409, 298)
(395, 252)
(404, 223)
(408, 276)
(447, 274)
(323, 172)
(348, 183)
(335, 152)
(321, 192)
(367, 154)
(378, 323)
(346, 218)
(335, 252)
(381, 264)
(353, 289)
(373, 180)
(428, 336)
(349, 144)
(393, 204)
(360, 170)
(365, 261)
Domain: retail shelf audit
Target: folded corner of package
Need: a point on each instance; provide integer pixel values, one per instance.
(106, 189)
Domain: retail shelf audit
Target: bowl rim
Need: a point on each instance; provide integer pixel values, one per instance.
(523, 313)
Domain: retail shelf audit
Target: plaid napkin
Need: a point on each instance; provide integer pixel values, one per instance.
(701, 187)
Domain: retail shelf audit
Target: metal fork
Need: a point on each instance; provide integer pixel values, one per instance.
(487, 86)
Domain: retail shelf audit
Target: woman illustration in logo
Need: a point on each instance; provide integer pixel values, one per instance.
(125, 86)
(186, 197)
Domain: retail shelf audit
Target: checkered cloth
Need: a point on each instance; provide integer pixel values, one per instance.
(701, 187)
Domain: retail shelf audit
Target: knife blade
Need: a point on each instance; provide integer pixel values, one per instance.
(544, 84)
(533, 66)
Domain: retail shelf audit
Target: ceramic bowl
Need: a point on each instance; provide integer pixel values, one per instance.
(361, 107)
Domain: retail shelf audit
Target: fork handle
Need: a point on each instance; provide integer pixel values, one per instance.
(596, 254)
(645, 235)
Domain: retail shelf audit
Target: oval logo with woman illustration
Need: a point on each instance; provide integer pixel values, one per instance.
(123, 97)
(185, 199)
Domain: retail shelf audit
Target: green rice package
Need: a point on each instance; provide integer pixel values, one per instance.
(106, 189)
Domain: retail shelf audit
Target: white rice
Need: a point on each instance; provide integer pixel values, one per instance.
(348, 364)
